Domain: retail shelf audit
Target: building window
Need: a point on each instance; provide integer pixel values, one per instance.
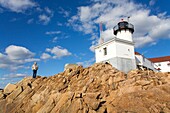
(105, 51)
(168, 64)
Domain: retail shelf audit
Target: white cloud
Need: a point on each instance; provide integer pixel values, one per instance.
(45, 18)
(31, 60)
(15, 57)
(17, 5)
(14, 75)
(48, 11)
(38, 9)
(149, 28)
(92, 48)
(87, 63)
(59, 24)
(18, 52)
(85, 13)
(161, 29)
(56, 35)
(107, 34)
(3, 79)
(140, 41)
(152, 2)
(55, 39)
(45, 56)
(58, 52)
(94, 43)
(52, 32)
(18, 75)
(63, 12)
(30, 21)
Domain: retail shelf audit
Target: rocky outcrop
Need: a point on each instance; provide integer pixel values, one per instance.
(9, 88)
(99, 88)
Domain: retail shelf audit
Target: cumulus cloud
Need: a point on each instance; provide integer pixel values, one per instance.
(15, 57)
(149, 27)
(18, 52)
(45, 56)
(58, 52)
(17, 5)
(140, 41)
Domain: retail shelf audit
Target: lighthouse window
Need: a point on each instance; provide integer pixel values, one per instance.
(105, 51)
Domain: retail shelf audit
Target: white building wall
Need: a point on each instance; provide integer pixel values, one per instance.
(148, 64)
(124, 50)
(142, 61)
(125, 35)
(163, 66)
(139, 59)
(111, 51)
(114, 49)
(120, 54)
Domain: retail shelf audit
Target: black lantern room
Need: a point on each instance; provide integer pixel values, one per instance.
(124, 25)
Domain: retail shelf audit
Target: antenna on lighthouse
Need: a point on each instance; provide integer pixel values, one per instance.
(101, 32)
(101, 26)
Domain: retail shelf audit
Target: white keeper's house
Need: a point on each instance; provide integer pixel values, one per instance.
(119, 52)
(162, 64)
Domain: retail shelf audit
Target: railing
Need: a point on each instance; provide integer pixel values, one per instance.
(124, 26)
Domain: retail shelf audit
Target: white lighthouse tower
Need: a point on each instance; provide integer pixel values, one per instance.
(118, 51)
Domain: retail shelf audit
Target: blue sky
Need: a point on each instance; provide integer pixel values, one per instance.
(57, 32)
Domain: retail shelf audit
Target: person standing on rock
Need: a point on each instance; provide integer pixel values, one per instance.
(34, 68)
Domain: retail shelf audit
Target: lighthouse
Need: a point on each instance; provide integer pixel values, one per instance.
(119, 50)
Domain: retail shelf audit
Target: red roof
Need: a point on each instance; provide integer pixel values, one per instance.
(160, 59)
(159, 69)
(136, 53)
